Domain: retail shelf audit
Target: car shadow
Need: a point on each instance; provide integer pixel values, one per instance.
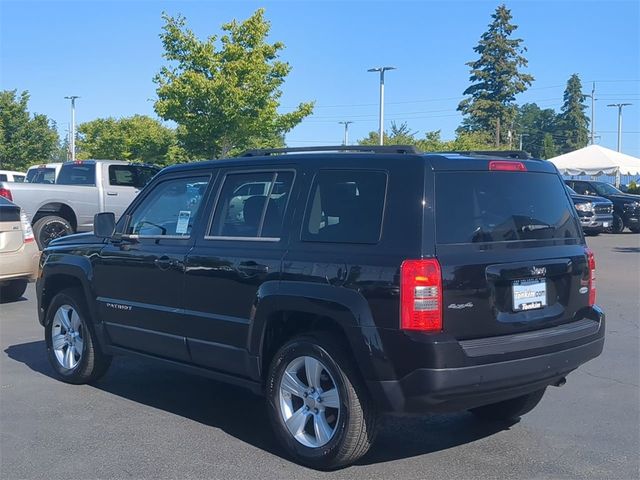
(626, 249)
(243, 415)
(5, 301)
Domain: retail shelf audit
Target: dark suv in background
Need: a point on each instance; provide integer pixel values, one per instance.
(626, 207)
(338, 282)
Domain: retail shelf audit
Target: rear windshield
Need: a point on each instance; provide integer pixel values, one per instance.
(477, 207)
(41, 175)
(77, 174)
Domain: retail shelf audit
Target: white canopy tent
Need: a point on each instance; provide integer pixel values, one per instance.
(596, 160)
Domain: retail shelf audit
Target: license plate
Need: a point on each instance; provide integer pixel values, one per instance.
(529, 294)
(605, 224)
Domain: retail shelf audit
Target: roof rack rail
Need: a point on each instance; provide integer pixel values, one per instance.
(514, 154)
(404, 149)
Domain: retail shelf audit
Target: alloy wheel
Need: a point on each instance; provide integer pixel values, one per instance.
(67, 337)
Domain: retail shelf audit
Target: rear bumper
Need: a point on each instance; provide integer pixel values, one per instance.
(465, 387)
(21, 264)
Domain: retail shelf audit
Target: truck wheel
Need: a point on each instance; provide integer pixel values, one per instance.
(49, 228)
(635, 228)
(319, 409)
(617, 226)
(71, 345)
(510, 409)
(13, 290)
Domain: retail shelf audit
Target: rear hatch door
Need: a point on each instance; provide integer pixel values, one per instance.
(511, 251)
(11, 238)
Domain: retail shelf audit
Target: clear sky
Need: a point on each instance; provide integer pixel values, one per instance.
(108, 53)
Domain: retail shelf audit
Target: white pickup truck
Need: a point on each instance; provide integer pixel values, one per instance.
(82, 189)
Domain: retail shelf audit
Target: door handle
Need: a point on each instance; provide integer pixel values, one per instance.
(252, 268)
(113, 194)
(165, 263)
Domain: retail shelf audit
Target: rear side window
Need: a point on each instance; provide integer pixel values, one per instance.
(130, 175)
(475, 207)
(170, 209)
(346, 206)
(3, 177)
(77, 174)
(251, 205)
(18, 178)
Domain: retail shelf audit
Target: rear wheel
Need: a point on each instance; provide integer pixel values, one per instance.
(617, 226)
(71, 344)
(319, 409)
(49, 228)
(13, 290)
(510, 409)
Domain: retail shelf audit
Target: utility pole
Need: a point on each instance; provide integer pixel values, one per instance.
(381, 120)
(522, 135)
(620, 107)
(346, 124)
(73, 125)
(592, 136)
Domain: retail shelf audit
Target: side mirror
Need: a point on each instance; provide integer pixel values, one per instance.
(104, 224)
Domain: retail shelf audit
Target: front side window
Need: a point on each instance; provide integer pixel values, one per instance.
(252, 205)
(170, 209)
(346, 207)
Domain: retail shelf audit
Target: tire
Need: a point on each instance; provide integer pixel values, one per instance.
(13, 290)
(352, 422)
(68, 327)
(511, 409)
(49, 228)
(617, 226)
(635, 228)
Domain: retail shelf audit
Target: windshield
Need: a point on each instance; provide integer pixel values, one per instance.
(606, 189)
(476, 207)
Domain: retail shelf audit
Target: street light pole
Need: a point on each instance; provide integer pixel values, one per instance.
(73, 125)
(345, 141)
(381, 119)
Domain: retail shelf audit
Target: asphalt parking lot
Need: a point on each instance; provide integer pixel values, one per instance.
(145, 421)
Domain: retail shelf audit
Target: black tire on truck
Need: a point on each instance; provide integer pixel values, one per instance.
(13, 290)
(50, 227)
(617, 226)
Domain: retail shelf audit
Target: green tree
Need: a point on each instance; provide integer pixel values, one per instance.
(534, 124)
(548, 147)
(573, 122)
(399, 134)
(24, 139)
(224, 95)
(138, 138)
(495, 78)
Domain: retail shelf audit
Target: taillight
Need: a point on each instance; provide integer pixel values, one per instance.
(27, 231)
(421, 295)
(507, 166)
(591, 261)
(6, 193)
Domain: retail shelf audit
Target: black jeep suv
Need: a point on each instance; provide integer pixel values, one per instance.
(339, 284)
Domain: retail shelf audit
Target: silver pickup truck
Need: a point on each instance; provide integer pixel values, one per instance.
(82, 189)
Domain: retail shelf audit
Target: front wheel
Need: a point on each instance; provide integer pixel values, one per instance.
(511, 409)
(71, 344)
(617, 225)
(318, 407)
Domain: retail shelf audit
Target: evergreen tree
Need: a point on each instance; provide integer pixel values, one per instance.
(496, 78)
(535, 123)
(574, 124)
(548, 147)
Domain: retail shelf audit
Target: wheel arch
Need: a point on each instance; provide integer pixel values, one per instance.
(292, 308)
(59, 209)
